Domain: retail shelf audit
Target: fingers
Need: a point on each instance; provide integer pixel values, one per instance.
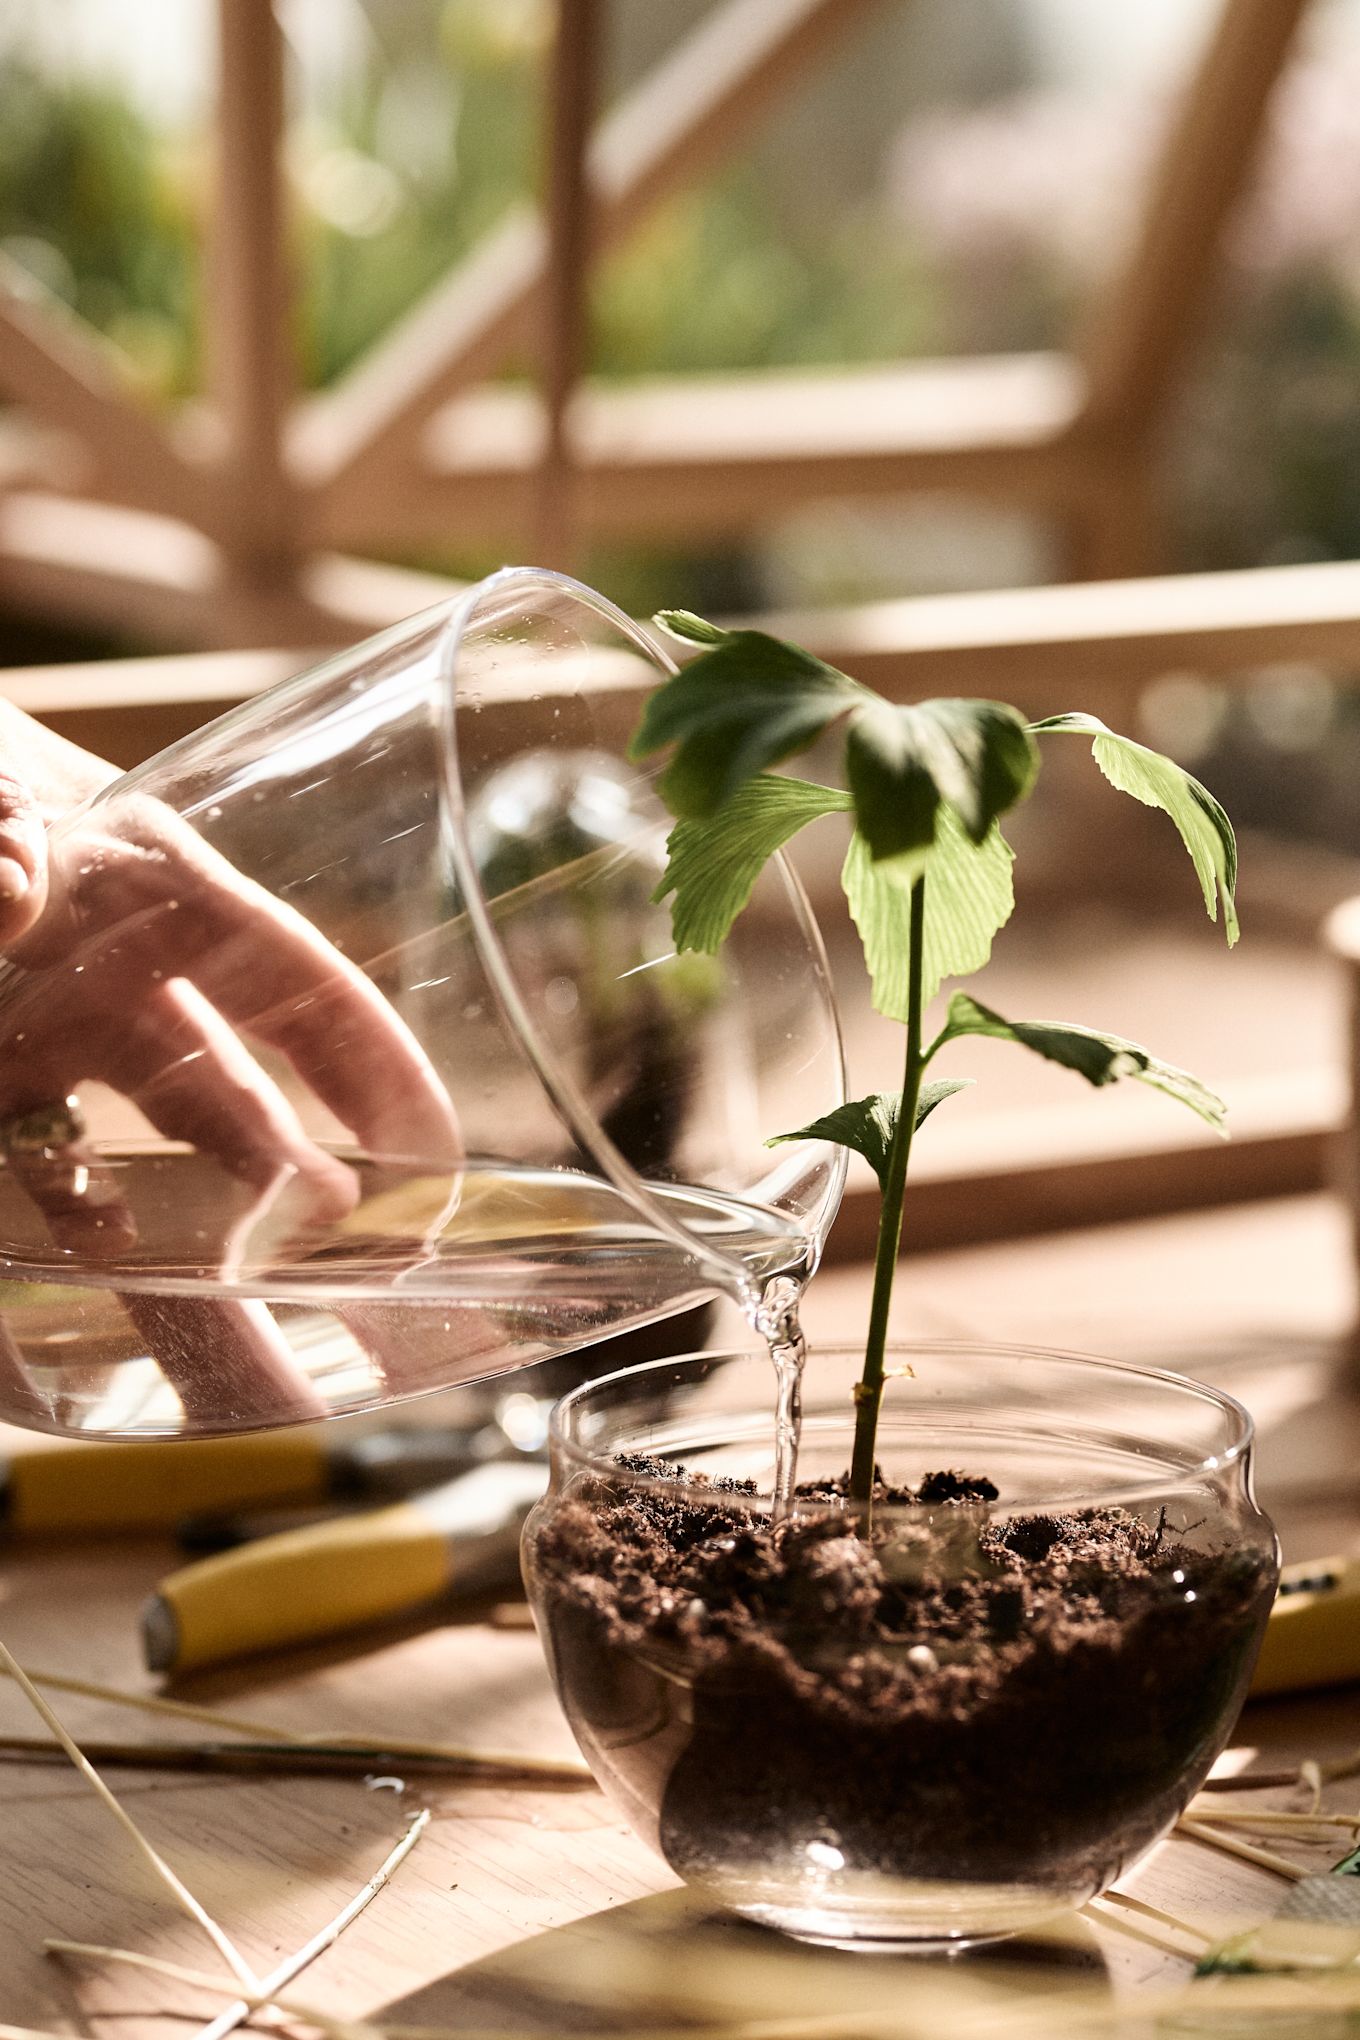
(229, 1363)
(171, 906)
(79, 1197)
(23, 859)
(187, 1071)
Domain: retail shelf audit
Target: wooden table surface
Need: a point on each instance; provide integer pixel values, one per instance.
(530, 1908)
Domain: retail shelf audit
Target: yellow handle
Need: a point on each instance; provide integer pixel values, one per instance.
(1313, 1636)
(295, 1587)
(150, 1486)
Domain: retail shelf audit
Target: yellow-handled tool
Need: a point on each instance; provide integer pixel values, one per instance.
(153, 1484)
(279, 1591)
(1313, 1636)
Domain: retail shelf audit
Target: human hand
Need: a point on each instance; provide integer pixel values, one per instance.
(175, 958)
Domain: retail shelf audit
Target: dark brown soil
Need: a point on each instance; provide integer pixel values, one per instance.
(1025, 1700)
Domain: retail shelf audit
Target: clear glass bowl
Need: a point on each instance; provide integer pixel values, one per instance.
(386, 1073)
(975, 1717)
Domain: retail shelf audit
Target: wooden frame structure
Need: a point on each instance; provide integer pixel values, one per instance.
(244, 522)
(1031, 645)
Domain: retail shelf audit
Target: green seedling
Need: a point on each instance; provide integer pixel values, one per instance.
(927, 875)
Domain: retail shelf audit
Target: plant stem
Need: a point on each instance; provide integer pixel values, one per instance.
(869, 1389)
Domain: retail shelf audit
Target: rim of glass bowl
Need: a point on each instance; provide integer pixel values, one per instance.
(1239, 1424)
(570, 1103)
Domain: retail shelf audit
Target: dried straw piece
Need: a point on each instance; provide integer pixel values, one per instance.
(265, 1991)
(1155, 1912)
(569, 1770)
(246, 1758)
(235, 1961)
(1261, 1781)
(1150, 1937)
(1266, 1859)
(255, 1999)
(277, 1979)
(1262, 1817)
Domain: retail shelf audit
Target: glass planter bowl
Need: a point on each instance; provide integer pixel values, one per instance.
(975, 1720)
(389, 1074)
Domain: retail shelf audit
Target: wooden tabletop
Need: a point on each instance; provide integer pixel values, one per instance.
(529, 1908)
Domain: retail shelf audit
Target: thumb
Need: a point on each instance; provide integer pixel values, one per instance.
(23, 860)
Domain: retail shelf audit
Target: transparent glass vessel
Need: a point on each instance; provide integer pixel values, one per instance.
(352, 1056)
(972, 1711)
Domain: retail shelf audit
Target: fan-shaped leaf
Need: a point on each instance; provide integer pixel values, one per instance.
(684, 624)
(969, 897)
(977, 756)
(1100, 1058)
(868, 1125)
(1159, 782)
(748, 702)
(713, 864)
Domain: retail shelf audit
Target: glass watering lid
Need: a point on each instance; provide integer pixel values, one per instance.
(353, 1058)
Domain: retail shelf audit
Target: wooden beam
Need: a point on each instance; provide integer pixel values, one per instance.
(67, 374)
(676, 456)
(573, 89)
(248, 323)
(1034, 644)
(1014, 1184)
(1027, 644)
(685, 116)
(1141, 334)
(161, 580)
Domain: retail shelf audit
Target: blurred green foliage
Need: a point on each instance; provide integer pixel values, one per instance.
(429, 146)
(429, 150)
(101, 212)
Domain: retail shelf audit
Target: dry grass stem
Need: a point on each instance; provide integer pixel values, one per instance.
(1155, 1912)
(249, 1759)
(264, 1993)
(1246, 1816)
(512, 1763)
(278, 1978)
(1146, 1931)
(256, 1998)
(1265, 1859)
(235, 1961)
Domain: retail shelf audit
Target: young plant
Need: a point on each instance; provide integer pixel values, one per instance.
(927, 875)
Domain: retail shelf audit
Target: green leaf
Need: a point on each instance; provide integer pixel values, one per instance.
(868, 1124)
(694, 630)
(713, 864)
(1159, 782)
(977, 756)
(968, 898)
(896, 798)
(1100, 1058)
(747, 703)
